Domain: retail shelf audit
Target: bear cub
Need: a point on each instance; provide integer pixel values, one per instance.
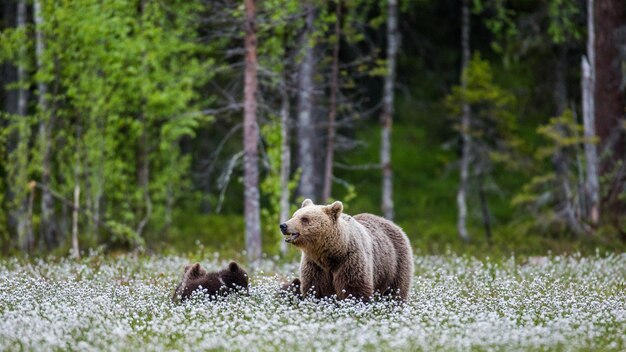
(220, 283)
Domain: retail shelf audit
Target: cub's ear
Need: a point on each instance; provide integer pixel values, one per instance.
(233, 266)
(193, 271)
(306, 203)
(334, 210)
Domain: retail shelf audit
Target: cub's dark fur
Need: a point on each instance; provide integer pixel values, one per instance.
(220, 283)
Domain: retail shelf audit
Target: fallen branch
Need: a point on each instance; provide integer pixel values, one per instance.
(358, 167)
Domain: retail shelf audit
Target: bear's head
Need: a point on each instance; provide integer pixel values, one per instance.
(234, 277)
(312, 225)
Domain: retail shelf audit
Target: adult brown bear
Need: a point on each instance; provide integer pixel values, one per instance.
(346, 255)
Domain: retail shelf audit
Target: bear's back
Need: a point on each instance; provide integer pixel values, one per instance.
(392, 254)
(210, 282)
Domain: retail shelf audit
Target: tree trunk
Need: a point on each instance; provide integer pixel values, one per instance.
(609, 16)
(77, 176)
(48, 223)
(387, 113)
(30, 236)
(332, 115)
(306, 128)
(251, 139)
(465, 129)
(144, 177)
(24, 224)
(589, 117)
(285, 159)
(75, 248)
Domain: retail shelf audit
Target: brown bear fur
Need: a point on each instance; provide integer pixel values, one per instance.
(349, 256)
(213, 284)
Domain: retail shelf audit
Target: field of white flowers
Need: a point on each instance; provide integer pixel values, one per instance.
(123, 303)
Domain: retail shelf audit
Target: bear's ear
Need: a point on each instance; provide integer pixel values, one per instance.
(334, 210)
(195, 269)
(306, 203)
(233, 266)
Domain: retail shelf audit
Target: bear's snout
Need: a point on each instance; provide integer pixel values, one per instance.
(283, 228)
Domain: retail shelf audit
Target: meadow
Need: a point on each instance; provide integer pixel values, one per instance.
(122, 303)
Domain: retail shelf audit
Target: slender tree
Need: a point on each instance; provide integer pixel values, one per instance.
(306, 128)
(76, 203)
(387, 110)
(285, 158)
(23, 200)
(589, 117)
(465, 127)
(48, 223)
(251, 139)
(332, 115)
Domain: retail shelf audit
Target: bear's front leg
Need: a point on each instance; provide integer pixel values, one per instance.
(356, 283)
(314, 278)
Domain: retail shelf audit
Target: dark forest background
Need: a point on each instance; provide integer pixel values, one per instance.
(484, 126)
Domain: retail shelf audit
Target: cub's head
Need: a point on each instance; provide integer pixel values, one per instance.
(235, 277)
(312, 224)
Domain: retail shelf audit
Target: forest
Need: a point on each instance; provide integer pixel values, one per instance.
(479, 126)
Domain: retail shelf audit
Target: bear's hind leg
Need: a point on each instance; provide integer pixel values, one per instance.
(401, 285)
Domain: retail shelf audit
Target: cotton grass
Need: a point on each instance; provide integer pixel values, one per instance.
(457, 303)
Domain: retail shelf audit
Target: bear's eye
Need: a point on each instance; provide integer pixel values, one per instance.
(305, 221)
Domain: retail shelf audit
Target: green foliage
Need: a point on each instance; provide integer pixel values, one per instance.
(544, 196)
(271, 187)
(127, 79)
(123, 78)
(563, 26)
(493, 124)
(500, 22)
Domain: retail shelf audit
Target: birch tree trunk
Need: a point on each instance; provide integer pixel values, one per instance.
(591, 153)
(75, 248)
(48, 223)
(251, 139)
(24, 225)
(285, 159)
(332, 115)
(465, 129)
(306, 128)
(588, 106)
(387, 113)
